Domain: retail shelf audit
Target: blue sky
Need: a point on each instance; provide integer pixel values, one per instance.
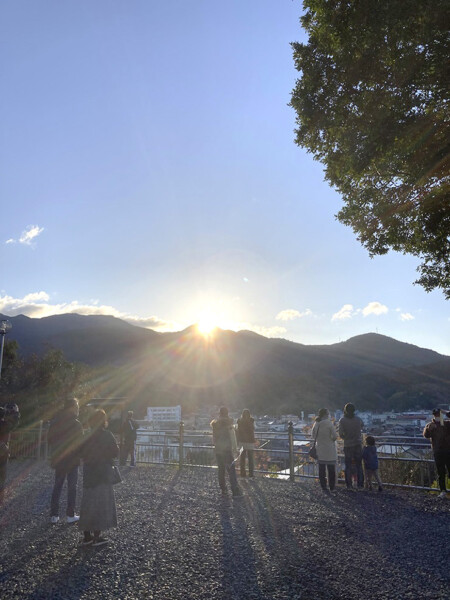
(148, 171)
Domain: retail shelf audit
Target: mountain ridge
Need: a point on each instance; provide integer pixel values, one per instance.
(241, 368)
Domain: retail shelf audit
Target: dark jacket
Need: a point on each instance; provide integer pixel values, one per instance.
(439, 435)
(370, 458)
(223, 434)
(98, 451)
(245, 430)
(350, 431)
(65, 436)
(129, 430)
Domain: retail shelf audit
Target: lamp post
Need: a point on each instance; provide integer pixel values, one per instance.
(5, 326)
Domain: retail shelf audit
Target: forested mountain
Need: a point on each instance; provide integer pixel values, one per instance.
(240, 369)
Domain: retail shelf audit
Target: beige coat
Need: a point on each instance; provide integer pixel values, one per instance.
(326, 440)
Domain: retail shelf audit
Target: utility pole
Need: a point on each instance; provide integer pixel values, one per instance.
(5, 326)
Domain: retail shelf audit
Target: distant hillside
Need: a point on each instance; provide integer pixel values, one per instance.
(91, 339)
(243, 368)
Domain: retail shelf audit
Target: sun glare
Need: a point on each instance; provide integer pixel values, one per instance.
(206, 325)
(211, 315)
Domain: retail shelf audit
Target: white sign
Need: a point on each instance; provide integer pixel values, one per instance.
(163, 413)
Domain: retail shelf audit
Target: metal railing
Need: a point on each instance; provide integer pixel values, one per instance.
(29, 443)
(279, 455)
(282, 455)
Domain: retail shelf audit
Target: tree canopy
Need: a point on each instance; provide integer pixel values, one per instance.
(39, 385)
(372, 105)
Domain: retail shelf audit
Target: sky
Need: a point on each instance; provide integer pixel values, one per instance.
(148, 170)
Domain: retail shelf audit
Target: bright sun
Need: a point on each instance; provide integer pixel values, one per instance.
(206, 325)
(212, 315)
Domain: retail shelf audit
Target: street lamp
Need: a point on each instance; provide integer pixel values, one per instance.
(5, 326)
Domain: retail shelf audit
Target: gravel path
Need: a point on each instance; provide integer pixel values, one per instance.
(178, 539)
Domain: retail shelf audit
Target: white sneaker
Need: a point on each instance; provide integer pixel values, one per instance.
(73, 519)
(54, 520)
(442, 495)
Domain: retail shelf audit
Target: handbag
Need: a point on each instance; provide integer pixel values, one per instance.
(114, 475)
(313, 450)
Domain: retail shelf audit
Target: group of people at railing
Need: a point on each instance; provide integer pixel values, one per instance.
(227, 438)
(357, 453)
(97, 449)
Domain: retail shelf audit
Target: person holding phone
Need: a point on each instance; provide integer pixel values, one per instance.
(438, 431)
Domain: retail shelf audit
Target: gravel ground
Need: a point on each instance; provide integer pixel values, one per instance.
(179, 539)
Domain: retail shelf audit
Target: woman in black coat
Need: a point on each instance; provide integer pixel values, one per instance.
(98, 505)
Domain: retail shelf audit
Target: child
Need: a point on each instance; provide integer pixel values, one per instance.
(370, 459)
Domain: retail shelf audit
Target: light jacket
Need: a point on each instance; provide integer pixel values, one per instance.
(325, 441)
(224, 436)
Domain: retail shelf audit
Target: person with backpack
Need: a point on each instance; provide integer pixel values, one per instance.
(65, 437)
(224, 440)
(350, 430)
(9, 419)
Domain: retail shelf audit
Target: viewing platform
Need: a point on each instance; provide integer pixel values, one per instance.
(178, 539)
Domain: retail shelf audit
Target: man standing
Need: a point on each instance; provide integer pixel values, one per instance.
(438, 431)
(65, 437)
(224, 440)
(9, 419)
(350, 430)
(129, 431)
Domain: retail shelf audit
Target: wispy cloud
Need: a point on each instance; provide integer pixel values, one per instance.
(36, 305)
(406, 317)
(290, 314)
(374, 308)
(28, 235)
(346, 312)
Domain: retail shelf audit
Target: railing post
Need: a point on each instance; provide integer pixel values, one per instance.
(46, 444)
(180, 448)
(291, 450)
(39, 443)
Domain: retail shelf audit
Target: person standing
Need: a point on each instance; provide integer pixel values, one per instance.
(438, 431)
(65, 436)
(350, 430)
(324, 433)
(9, 419)
(129, 431)
(98, 504)
(224, 440)
(246, 439)
(370, 458)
